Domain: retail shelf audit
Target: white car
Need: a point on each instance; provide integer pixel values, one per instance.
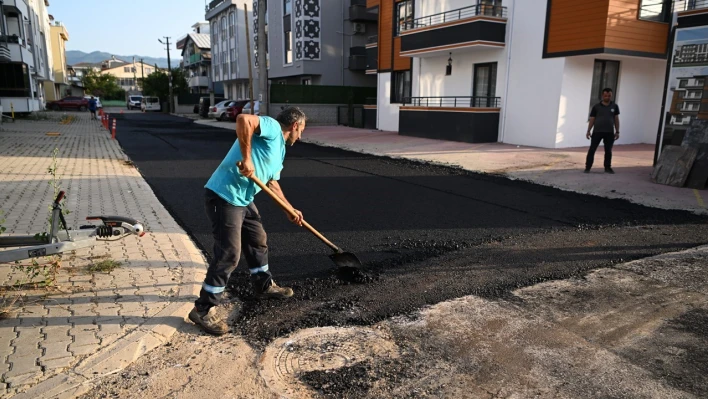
(134, 102)
(98, 101)
(218, 111)
(150, 104)
(247, 108)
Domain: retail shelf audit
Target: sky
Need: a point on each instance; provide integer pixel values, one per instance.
(126, 27)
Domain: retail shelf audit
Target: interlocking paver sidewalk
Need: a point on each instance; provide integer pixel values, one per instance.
(90, 323)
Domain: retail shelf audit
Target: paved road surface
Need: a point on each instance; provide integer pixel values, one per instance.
(425, 233)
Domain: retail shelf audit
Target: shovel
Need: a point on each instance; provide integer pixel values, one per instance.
(346, 261)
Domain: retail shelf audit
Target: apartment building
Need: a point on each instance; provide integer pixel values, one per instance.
(196, 58)
(25, 55)
(127, 73)
(524, 72)
(61, 85)
(229, 55)
(320, 42)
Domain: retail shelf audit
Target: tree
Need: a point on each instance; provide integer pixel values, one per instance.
(157, 84)
(102, 85)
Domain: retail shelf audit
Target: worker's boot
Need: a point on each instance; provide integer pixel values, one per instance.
(211, 321)
(272, 290)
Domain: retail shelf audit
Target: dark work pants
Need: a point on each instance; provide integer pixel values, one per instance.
(234, 228)
(609, 140)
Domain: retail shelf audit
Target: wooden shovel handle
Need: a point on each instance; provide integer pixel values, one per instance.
(291, 211)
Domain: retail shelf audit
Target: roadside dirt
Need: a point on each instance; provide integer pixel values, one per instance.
(636, 330)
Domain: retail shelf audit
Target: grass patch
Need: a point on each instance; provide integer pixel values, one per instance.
(67, 119)
(104, 266)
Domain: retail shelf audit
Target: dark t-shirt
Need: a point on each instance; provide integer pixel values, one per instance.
(92, 105)
(604, 117)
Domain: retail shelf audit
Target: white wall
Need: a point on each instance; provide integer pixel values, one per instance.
(639, 94)
(530, 108)
(423, 8)
(432, 81)
(386, 113)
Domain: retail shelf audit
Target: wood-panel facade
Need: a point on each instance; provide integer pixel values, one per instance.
(602, 26)
(390, 58)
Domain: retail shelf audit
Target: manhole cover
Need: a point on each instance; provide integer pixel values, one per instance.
(325, 348)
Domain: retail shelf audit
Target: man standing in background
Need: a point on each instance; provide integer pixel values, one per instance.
(604, 117)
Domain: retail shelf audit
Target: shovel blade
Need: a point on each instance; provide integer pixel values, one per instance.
(345, 259)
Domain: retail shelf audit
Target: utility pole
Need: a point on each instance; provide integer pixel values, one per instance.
(262, 59)
(142, 71)
(250, 64)
(169, 71)
(135, 78)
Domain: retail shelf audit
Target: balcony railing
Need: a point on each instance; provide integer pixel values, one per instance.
(688, 5)
(454, 102)
(454, 15)
(10, 39)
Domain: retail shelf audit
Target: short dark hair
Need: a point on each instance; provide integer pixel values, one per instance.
(607, 90)
(291, 115)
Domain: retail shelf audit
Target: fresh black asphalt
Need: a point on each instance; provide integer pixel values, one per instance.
(425, 233)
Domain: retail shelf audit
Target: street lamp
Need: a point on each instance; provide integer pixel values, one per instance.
(169, 71)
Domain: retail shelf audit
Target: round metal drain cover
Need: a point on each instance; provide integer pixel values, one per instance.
(325, 348)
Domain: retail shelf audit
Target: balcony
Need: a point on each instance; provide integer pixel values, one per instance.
(357, 58)
(359, 13)
(473, 26)
(198, 81)
(372, 60)
(464, 119)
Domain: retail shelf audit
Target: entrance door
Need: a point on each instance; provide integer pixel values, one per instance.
(485, 85)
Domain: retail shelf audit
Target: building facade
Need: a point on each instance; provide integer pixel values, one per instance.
(320, 42)
(524, 72)
(127, 73)
(229, 54)
(25, 55)
(196, 58)
(61, 86)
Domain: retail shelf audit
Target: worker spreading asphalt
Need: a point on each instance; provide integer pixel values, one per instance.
(424, 233)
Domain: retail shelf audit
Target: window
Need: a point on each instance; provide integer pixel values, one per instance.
(401, 87)
(404, 16)
(14, 80)
(485, 85)
(233, 60)
(231, 24)
(306, 81)
(287, 7)
(683, 82)
(223, 29)
(655, 10)
(288, 47)
(605, 74)
(126, 69)
(214, 32)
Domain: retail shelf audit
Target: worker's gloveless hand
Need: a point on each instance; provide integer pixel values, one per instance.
(246, 168)
(295, 219)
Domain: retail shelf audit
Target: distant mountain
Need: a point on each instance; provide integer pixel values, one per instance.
(75, 57)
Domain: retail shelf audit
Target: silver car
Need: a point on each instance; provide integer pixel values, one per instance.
(218, 111)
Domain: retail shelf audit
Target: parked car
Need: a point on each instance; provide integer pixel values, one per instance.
(134, 102)
(205, 103)
(77, 103)
(218, 111)
(98, 101)
(235, 109)
(150, 104)
(247, 108)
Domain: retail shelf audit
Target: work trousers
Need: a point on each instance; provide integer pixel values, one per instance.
(609, 140)
(235, 229)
